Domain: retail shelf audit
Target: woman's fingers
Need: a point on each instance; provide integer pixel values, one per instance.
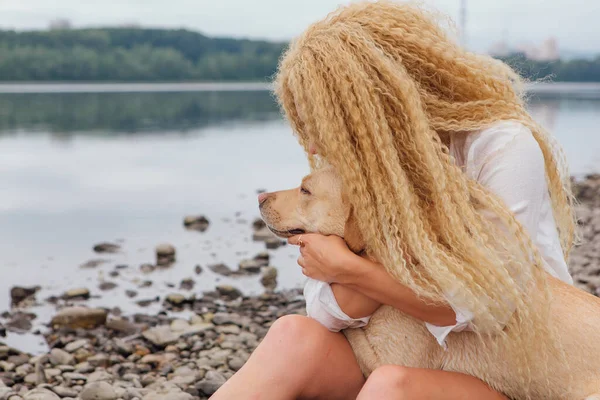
(301, 240)
(301, 261)
(293, 240)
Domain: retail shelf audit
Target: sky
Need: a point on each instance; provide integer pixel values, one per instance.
(574, 23)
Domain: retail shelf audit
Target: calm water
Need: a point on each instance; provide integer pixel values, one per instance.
(80, 168)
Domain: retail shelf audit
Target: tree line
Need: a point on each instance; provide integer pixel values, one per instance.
(133, 54)
(137, 54)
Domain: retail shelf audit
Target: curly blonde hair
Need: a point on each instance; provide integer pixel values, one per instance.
(379, 88)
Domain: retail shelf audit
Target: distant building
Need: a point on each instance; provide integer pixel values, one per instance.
(547, 51)
(500, 49)
(59, 24)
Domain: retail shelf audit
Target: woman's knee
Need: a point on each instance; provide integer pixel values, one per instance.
(389, 380)
(298, 334)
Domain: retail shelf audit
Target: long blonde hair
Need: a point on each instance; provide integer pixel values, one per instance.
(379, 87)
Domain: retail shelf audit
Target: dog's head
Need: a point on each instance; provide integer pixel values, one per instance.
(318, 205)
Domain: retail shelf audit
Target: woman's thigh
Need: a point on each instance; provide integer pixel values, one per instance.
(399, 383)
(297, 359)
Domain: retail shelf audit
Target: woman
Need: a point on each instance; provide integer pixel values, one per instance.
(461, 196)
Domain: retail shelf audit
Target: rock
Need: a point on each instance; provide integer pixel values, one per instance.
(168, 394)
(269, 277)
(18, 359)
(20, 322)
(40, 394)
(229, 291)
(196, 222)
(198, 269)
(258, 224)
(176, 299)
(104, 286)
(79, 317)
(263, 257)
(235, 363)
(18, 294)
(187, 284)
(106, 247)
(65, 391)
(250, 266)
(98, 391)
(260, 235)
(131, 293)
(274, 243)
(76, 294)
(100, 376)
(147, 268)
(221, 269)
(76, 345)
(122, 325)
(212, 381)
(93, 263)
(161, 335)
(98, 360)
(165, 254)
(7, 367)
(61, 357)
(6, 392)
(147, 302)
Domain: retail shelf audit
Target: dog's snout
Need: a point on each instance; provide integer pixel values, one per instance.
(262, 198)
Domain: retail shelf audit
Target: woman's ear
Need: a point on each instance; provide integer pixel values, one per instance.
(352, 235)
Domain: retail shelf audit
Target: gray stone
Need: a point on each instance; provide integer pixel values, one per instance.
(76, 345)
(65, 391)
(100, 376)
(176, 299)
(79, 293)
(196, 222)
(107, 248)
(40, 394)
(161, 335)
(212, 381)
(250, 266)
(235, 363)
(269, 277)
(79, 317)
(61, 357)
(98, 391)
(229, 291)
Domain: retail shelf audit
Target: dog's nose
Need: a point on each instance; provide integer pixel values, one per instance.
(262, 198)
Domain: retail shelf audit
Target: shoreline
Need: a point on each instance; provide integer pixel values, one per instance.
(188, 349)
(586, 89)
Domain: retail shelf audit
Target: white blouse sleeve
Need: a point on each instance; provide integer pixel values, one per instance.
(508, 161)
(322, 306)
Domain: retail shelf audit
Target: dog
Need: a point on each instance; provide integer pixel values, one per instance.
(394, 338)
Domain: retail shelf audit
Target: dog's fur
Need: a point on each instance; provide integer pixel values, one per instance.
(392, 337)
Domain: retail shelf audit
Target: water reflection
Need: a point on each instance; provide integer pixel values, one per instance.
(106, 114)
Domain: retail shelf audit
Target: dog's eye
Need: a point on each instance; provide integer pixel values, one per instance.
(304, 191)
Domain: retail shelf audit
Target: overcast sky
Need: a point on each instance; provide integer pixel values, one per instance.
(574, 23)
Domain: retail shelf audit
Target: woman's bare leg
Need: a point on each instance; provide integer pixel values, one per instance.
(297, 359)
(400, 383)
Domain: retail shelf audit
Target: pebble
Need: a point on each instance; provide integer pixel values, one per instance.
(79, 317)
(61, 357)
(107, 248)
(98, 391)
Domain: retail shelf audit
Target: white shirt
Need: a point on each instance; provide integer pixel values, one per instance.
(507, 160)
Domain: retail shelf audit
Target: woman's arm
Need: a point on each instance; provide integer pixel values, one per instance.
(354, 303)
(373, 281)
(328, 259)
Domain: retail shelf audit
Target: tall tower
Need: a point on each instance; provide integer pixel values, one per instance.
(463, 22)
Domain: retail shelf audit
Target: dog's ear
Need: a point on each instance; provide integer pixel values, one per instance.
(352, 235)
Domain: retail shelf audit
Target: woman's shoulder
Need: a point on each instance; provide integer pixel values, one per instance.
(501, 138)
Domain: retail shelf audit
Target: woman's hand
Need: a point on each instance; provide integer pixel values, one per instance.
(324, 258)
